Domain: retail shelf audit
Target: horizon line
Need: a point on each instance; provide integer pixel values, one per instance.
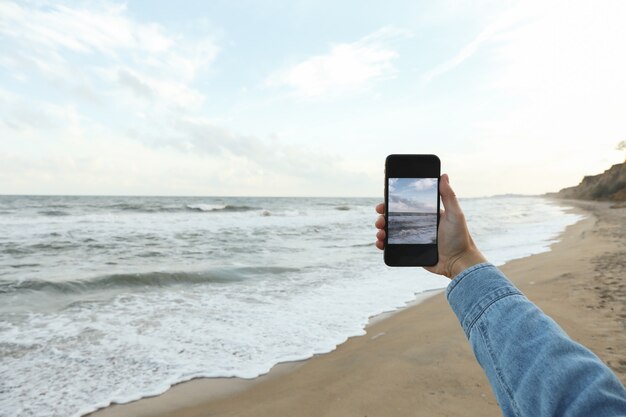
(248, 196)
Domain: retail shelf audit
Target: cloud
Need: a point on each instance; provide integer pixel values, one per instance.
(189, 157)
(129, 80)
(167, 92)
(202, 136)
(21, 115)
(392, 184)
(104, 30)
(88, 52)
(345, 68)
(504, 21)
(424, 184)
(406, 205)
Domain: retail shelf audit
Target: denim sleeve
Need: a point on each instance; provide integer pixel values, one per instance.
(533, 367)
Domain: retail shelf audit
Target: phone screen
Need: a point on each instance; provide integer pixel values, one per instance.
(411, 210)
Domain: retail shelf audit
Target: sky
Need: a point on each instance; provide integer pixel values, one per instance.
(307, 98)
(417, 195)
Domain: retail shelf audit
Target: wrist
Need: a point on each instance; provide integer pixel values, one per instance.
(465, 260)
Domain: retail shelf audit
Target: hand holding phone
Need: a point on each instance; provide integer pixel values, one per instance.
(456, 248)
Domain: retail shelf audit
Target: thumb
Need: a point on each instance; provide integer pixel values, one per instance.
(450, 203)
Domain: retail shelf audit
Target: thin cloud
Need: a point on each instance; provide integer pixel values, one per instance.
(104, 30)
(504, 21)
(345, 68)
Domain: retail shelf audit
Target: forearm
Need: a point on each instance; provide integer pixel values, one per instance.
(534, 368)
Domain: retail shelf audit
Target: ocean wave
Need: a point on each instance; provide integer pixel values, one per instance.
(147, 279)
(356, 245)
(12, 250)
(363, 245)
(18, 266)
(144, 208)
(219, 207)
(54, 213)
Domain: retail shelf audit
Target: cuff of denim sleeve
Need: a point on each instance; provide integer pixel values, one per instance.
(472, 291)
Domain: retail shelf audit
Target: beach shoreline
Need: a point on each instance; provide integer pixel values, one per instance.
(417, 361)
(199, 390)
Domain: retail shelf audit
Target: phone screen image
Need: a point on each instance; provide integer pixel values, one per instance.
(412, 211)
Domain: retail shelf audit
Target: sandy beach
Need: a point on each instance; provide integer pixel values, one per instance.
(418, 362)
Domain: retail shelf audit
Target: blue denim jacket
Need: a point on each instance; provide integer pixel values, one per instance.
(533, 367)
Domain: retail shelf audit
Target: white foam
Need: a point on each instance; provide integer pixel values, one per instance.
(207, 207)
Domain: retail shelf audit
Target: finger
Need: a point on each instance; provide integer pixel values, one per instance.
(380, 222)
(450, 202)
(380, 244)
(380, 208)
(380, 235)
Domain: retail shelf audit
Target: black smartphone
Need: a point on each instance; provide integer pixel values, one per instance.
(411, 210)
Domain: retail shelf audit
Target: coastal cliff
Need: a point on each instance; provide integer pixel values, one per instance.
(608, 186)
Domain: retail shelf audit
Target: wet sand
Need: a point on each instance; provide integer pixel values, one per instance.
(418, 362)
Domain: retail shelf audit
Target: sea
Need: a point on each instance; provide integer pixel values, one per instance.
(111, 299)
(412, 228)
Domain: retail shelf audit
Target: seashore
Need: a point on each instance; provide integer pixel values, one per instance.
(417, 361)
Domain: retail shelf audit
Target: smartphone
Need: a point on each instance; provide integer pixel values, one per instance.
(411, 210)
